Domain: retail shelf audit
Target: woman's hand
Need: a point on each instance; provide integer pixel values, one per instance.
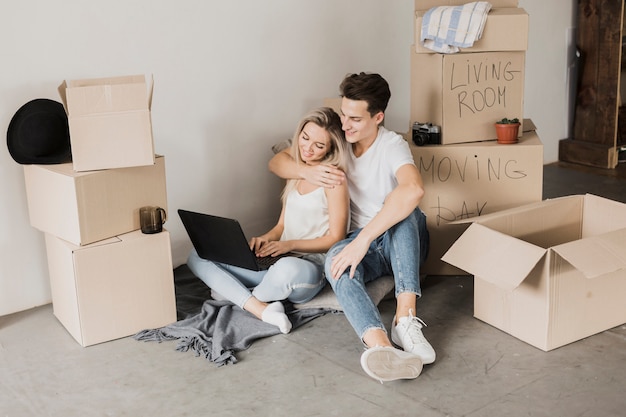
(256, 243)
(273, 248)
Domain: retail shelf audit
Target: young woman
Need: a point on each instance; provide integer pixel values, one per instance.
(312, 219)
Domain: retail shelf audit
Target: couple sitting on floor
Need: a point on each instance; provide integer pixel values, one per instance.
(377, 205)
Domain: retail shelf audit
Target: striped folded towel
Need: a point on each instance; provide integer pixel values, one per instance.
(445, 29)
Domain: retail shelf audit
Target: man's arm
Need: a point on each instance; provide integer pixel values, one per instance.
(398, 205)
(283, 165)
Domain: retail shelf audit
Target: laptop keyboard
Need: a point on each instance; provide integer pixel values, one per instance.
(267, 261)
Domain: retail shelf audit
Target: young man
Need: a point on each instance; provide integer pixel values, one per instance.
(388, 231)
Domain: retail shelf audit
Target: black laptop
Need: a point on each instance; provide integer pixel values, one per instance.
(220, 239)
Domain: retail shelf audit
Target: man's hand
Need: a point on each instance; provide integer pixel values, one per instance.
(321, 175)
(328, 176)
(349, 257)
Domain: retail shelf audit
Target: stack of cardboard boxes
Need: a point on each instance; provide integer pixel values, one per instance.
(108, 280)
(547, 272)
(464, 94)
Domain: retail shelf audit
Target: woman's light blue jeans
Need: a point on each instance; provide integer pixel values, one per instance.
(398, 252)
(295, 279)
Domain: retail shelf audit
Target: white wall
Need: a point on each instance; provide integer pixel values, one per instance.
(546, 96)
(231, 79)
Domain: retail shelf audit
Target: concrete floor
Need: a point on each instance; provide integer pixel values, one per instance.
(315, 371)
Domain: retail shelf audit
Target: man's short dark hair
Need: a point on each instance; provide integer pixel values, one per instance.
(371, 88)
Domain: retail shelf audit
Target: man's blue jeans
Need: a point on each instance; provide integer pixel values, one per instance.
(398, 252)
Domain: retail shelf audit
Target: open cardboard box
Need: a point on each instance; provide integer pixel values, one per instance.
(112, 288)
(548, 273)
(109, 120)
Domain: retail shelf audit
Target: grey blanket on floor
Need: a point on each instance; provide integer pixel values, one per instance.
(220, 329)
(216, 330)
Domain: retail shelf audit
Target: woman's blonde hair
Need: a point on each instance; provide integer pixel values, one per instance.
(329, 120)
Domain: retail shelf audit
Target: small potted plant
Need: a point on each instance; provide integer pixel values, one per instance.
(507, 130)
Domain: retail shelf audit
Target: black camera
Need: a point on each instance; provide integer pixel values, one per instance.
(426, 134)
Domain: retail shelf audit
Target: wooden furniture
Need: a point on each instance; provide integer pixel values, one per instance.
(596, 139)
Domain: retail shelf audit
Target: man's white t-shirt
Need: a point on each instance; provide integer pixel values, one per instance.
(372, 176)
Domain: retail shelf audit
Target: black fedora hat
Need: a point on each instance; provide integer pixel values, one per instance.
(39, 133)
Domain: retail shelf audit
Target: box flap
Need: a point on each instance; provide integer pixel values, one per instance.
(493, 256)
(62, 93)
(596, 255)
(543, 205)
(74, 247)
(105, 95)
(150, 91)
(528, 125)
(98, 82)
(602, 215)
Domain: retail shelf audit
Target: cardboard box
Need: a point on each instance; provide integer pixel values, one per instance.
(548, 273)
(427, 4)
(334, 103)
(466, 93)
(109, 121)
(506, 29)
(84, 207)
(113, 288)
(467, 180)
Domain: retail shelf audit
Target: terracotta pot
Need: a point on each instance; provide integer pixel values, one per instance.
(507, 133)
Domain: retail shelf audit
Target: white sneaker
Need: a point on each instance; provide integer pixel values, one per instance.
(386, 363)
(408, 335)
